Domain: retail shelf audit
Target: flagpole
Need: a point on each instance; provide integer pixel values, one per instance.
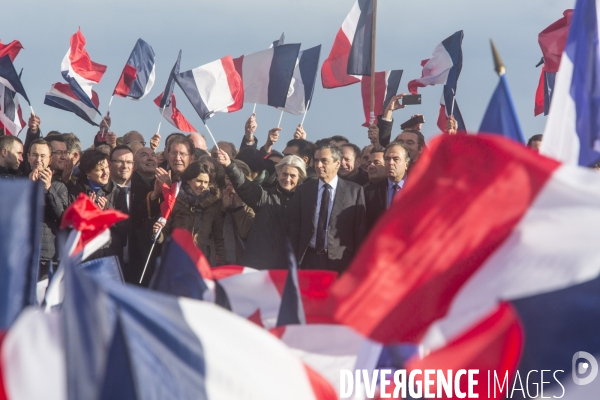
(32, 112)
(453, 101)
(107, 111)
(305, 112)
(162, 114)
(254, 109)
(161, 219)
(372, 115)
(280, 118)
(211, 135)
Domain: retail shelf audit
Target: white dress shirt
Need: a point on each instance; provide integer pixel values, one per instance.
(332, 190)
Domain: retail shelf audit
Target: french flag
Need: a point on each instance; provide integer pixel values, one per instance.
(139, 73)
(303, 82)
(350, 56)
(9, 77)
(165, 97)
(80, 71)
(444, 66)
(572, 131)
(61, 96)
(173, 115)
(11, 49)
(477, 285)
(447, 108)
(213, 87)
(386, 87)
(501, 118)
(11, 115)
(267, 74)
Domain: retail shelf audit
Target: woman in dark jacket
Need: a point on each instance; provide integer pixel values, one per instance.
(265, 247)
(94, 180)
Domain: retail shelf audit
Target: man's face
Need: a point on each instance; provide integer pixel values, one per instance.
(223, 146)
(178, 157)
(145, 162)
(411, 141)
(13, 156)
(364, 157)
(349, 162)
(376, 167)
(58, 157)
(535, 145)
(395, 163)
(325, 167)
(121, 166)
(39, 156)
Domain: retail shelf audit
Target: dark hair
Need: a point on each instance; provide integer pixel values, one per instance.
(252, 158)
(305, 148)
(357, 152)
(321, 142)
(194, 169)
(534, 138)
(398, 144)
(73, 143)
(234, 151)
(55, 138)
(199, 153)
(336, 152)
(8, 141)
(420, 137)
(379, 149)
(338, 138)
(219, 175)
(117, 148)
(172, 135)
(187, 142)
(52, 133)
(90, 159)
(42, 142)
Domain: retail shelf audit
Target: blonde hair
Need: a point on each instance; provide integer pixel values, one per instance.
(293, 161)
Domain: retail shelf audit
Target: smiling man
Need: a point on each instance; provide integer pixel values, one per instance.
(350, 165)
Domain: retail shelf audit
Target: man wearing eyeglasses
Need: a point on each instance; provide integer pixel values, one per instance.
(58, 156)
(134, 140)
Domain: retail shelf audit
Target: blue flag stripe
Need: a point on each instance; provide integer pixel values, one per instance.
(281, 72)
(63, 104)
(142, 58)
(309, 66)
(187, 83)
(165, 101)
(359, 60)
(392, 86)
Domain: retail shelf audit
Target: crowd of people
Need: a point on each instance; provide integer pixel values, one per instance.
(243, 206)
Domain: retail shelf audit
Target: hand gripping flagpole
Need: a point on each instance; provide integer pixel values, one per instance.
(372, 114)
(107, 111)
(154, 239)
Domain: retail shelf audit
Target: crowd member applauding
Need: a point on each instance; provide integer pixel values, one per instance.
(265, 248)
(95, 181)
(198, 210)
(11, 156)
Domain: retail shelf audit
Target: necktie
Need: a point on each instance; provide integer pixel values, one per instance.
(395, 190)
(322, 223)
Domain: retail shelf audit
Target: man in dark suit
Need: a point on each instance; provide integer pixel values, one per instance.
(327, 216)
(379, 196)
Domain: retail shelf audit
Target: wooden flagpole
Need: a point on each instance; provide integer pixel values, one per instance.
(373, 41)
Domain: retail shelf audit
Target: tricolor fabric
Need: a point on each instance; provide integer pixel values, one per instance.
(552, 41)
(11, 49)
(303, 82)
(212, 87)
(386, 87)
(61, 96)
(11, 115)
(165, 97)
(500, 118)
(138, 74)
(279, 42)
(573, 129)
(80, 72)
(9, 77)
(472, 273)
(267, 75)
(291, 310)
(447, 109)
(350, 56)
(173, 115)
(444, 66)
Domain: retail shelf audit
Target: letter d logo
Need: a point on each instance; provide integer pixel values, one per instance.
(590, 365)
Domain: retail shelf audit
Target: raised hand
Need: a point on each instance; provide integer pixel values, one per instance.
(155, 141)
(300, 133)
(250, 128)
(34, 123)
(373, 135)
(393, 106)
(223, 158)
(45, 176)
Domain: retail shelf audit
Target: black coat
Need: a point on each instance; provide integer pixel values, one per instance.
(9, 173)
(346, 230)
(376, 198)
(265, 247)
(116, 200)
(56, 202)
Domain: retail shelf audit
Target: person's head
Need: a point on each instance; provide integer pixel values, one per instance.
(52, 133)
(535, 142)
(104, 148)
(94, 165)
(301, 148)
(39, 154)
(350, 160)
(397, 159)
(321, 142)
(253, 159)
(59, 155)
(364, 156)
(145, 162)
(227, 147)
(217, 172)
(197, 176)
(414, 142)
(198, 140)
(275, 157)
(121, 164)
(327, 161)
(376, 165)
(338, 140)
(168, 139)
(11, 152)
(291, 171)
(73, 147)
(181, 150)
(134, 140)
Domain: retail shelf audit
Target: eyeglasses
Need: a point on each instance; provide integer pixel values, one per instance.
(59, 153)
(136, 141)
(40, 156)
(121, 163)
(175, 154)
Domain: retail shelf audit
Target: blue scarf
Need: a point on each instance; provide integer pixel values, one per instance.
(95, 186)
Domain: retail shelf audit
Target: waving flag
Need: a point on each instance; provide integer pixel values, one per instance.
(267, 74)
(62, 97)
(303, 82)
(165, 97)
(279, 42)
(291, 310)
(10, 78)
(573, 130)
(446, 110)
(501, 117)
(350, 55)
(11, 49)
(386, 87)
(212, 87)
(173, 115)
(139, 73)
(11, 116)
(80, 72)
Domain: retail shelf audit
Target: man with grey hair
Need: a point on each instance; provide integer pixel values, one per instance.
(327, 216)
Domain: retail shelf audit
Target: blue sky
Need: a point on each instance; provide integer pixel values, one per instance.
(408, 31)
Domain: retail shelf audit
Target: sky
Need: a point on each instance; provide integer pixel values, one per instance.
(407, 32)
